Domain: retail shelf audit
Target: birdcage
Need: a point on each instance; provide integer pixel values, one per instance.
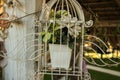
(61, 36)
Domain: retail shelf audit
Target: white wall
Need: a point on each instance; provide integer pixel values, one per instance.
(19, 68)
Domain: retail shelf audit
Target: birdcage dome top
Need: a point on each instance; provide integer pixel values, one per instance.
(67, 10)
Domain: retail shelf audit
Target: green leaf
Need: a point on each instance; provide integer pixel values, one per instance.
(53, 39)
(42, 33)
(65, 13)
(47, 37)
(62, 12)
(56, 27)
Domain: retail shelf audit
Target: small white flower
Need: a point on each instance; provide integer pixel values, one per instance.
(89, 23)
(73, 28)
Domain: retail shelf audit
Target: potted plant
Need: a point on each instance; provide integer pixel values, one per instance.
(61, 29)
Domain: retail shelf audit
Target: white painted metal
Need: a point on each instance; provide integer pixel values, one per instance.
(74, 8)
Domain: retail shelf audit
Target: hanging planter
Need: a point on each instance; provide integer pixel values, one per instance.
(60, 56)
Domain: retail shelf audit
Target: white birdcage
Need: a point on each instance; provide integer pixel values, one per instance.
(61, 34)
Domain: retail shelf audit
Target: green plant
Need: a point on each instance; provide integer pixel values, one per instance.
(62, 28)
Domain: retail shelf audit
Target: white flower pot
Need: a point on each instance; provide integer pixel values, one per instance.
(60, 56)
